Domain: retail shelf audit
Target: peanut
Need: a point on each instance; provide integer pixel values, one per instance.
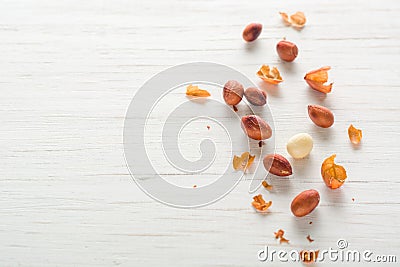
(233, 92)
(287, 51)
(305, 202)
(256, 128)
(252, 31)
(277, 165)
(321, 116)
(255, 96)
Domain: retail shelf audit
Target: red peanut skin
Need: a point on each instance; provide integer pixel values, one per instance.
(256, 128)
(305, 202)
(287, 51)
(277, 165)
(251, 32)
(321, 116)
(255, 96)
(233, 92)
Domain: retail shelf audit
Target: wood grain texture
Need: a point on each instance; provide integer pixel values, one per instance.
(69, 69)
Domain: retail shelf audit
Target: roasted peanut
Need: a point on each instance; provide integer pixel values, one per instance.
(305, 202)
(255, 96)
(233, 92)
(277, 165)
(321, 116)
(287, 51)
(256, 128)
(252, 31)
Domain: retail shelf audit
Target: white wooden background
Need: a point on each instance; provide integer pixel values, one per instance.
(69, 69)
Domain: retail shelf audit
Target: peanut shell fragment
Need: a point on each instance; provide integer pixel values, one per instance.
(259, 203)
(355, 135)
(267, 185)
(297, 20)
(269, 75)
(316, 79)
(333, 175)
(243, 162)
(279, 235)
(194, 90)
(309, 256)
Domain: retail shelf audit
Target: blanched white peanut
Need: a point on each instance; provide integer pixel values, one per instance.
(299, 145)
